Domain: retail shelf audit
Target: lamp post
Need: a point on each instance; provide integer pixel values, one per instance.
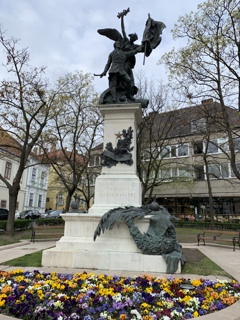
(56, 201)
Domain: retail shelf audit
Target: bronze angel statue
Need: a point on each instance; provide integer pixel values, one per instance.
(121, 60)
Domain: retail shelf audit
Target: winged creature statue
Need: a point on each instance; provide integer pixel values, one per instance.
(160, 237)
(121, 61)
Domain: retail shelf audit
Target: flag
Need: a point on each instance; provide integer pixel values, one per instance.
(152, 35)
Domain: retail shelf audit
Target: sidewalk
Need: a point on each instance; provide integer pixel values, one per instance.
(225, 257)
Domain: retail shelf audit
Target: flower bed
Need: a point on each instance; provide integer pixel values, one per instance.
(40, 295)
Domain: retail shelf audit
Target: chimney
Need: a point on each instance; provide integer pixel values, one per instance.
(53, 147)
(207, 101)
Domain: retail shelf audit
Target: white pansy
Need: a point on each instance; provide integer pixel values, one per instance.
(137, 314)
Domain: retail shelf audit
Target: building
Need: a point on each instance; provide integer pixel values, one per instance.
(9, 164)
(36, 185)
(194, 147)
(33, 184)
(61, 171)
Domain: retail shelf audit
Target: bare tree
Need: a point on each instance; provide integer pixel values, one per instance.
(25, 109)
(208, 66)
(156, 133)
(75, 129)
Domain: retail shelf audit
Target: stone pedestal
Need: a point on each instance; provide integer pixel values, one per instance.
(113, 250)
(119, 185)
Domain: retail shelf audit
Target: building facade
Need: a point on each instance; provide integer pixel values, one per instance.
(36, 185)
(195, 160)
(8, 168)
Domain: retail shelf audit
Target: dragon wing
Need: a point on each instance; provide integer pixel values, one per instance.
(115, 216)
(112, 34)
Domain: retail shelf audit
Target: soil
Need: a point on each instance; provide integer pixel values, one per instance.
(193, 255)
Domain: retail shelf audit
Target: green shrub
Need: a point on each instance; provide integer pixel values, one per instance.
(206, 225)
(49, 222)
(3, 224)
(24, 224)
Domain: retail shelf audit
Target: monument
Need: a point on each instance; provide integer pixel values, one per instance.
(118, 233)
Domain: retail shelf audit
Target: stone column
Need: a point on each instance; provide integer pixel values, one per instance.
(118, 186)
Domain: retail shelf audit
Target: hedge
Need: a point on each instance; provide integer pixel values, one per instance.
(23, 224)
(206, 225)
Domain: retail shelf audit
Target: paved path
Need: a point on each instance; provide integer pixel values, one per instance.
(222, 256)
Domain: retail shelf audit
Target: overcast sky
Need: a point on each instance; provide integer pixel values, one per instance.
(62, 34)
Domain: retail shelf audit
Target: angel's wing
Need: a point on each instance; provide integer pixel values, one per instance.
(110, 33)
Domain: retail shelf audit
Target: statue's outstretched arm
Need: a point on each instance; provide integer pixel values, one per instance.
(123, 28)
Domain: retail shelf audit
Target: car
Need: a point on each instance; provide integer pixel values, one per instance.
(3, 214)
(44, 215)
(55, 214)
(30, 214)
(16, 215)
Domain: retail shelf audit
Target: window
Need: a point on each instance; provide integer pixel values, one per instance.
(199, 125)
(8, 170)
(236, 142)
(214, 171)
(199, 173)
(165, 152)
(166, 174)
(43, 175)
(217, 145)
(173, 151)
(40, 201)
(34, 172)
(223, 145)
(183, 173)
(174, 173)
(238, 167)
(183, 150)
(198, 147)
(60, 199)
(31, 196)
(219, 171)
(4, 204)
(95, 160)
(98, 160)
(225, 170)
(145, 154)
(212, 146)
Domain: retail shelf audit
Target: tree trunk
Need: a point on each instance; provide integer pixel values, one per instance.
(209, 194)
(13, 195)
(68, 200)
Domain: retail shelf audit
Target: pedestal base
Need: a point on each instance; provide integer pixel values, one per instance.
(113, 250)
(113, 191)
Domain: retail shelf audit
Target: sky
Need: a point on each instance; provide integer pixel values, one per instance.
(62, 34)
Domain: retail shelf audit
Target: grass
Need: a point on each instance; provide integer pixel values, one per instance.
(19, 235)
(29, 260)
(204, 267)
(187, 235)
(198, 263)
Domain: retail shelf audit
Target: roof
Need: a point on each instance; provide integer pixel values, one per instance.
(9, 144)
(60, 154)
(178, 123)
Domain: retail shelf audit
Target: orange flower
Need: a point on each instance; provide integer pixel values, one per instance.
(123, 316)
